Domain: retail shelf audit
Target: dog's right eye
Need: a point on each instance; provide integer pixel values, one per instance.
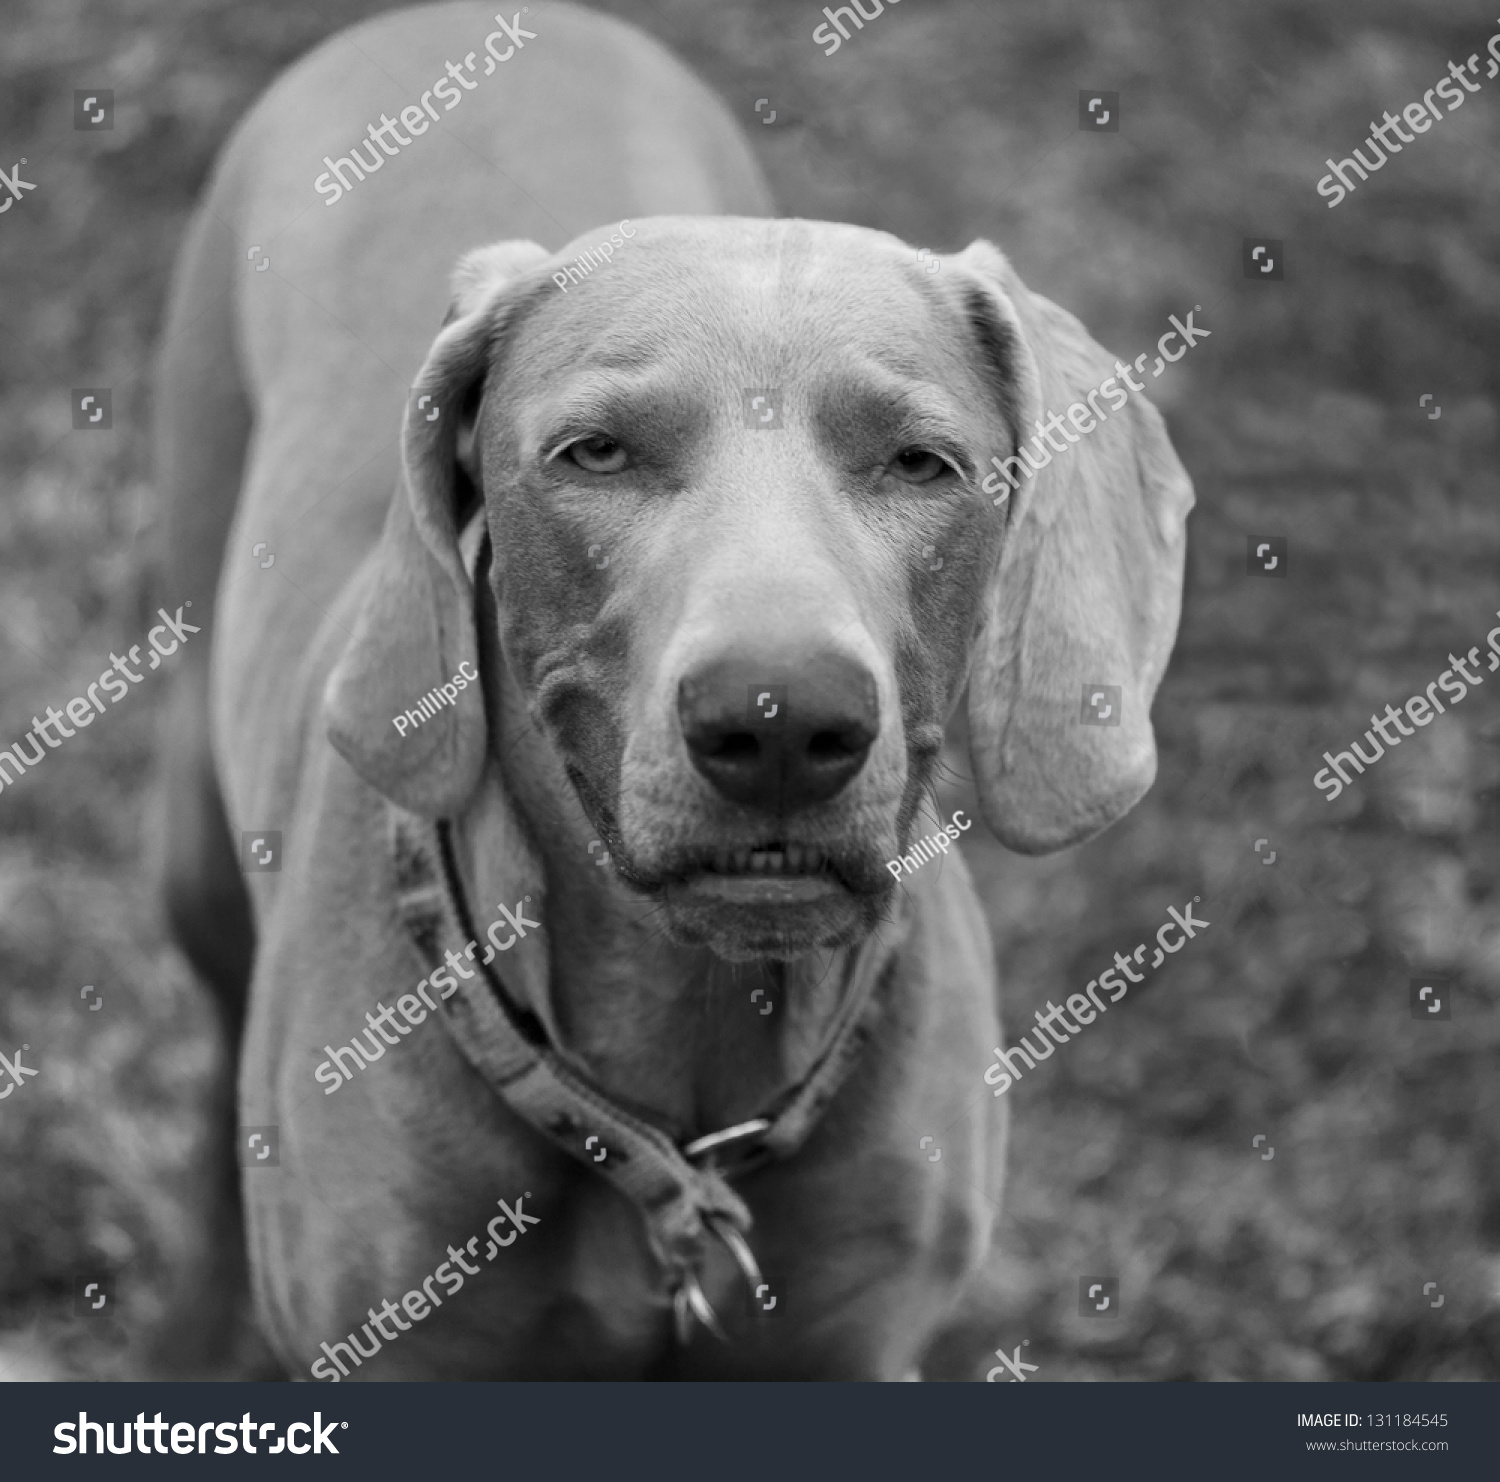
(597, 454)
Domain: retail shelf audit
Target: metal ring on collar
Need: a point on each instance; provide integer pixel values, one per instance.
(739, 1248)
(713, 1141)
(689, 1302)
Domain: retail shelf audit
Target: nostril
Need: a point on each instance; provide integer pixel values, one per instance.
(723, 746)
(838, 746)
(736, 746)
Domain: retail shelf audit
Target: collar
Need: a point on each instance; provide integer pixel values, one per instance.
(680, 1186)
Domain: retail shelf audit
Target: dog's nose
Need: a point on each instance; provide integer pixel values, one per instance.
(779, 737)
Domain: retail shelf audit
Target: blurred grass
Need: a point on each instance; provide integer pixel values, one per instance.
(1299, 416)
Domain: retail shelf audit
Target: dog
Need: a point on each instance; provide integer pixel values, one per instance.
(666, 495)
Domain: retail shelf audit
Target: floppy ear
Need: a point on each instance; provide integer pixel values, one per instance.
(1085, 596)
(415, 622)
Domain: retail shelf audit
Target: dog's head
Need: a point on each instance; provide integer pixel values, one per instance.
(749, 545)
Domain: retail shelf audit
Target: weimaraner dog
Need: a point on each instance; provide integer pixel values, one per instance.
(591, 650)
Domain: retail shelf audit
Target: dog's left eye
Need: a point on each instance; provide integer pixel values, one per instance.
(598, 454)
(918, 465)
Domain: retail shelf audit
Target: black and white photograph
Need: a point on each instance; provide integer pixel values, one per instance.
(735, 692)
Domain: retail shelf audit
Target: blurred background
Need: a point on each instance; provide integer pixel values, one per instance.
(1134, 1151)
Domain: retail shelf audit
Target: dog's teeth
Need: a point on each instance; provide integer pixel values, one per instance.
(779, 859)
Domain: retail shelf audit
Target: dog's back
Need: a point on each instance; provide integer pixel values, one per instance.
(311, 283)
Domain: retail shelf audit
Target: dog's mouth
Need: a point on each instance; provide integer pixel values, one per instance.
(775, 858)
(774, 897)
(771, 873)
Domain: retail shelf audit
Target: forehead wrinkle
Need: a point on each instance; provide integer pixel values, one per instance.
(776, 285)
(771, 303)
(621, 354)
(592, 391)
(913, 392)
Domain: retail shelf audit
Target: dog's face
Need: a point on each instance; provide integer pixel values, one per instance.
(748, 548)
(732, 479)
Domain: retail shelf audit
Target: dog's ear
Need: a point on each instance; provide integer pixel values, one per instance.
(414, 626)
(1082, 607)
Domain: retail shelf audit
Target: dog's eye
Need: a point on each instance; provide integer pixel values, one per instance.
(918, 466)
(598, 454)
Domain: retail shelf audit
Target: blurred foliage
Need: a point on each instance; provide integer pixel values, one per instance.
(940, 121)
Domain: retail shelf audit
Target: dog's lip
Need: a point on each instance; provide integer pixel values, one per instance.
(763, 890)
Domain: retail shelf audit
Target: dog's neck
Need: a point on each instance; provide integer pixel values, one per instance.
(673, 1028)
